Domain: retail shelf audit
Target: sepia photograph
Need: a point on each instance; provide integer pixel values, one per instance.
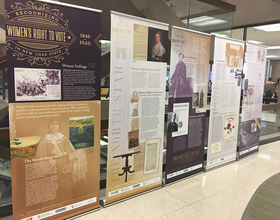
(133, 139)
(24, 146)
(134, 110)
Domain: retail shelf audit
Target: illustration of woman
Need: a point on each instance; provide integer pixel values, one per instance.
(71, 164)
(158, 51)
(179, 83)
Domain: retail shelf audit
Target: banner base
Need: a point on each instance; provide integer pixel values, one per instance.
(222, 165)
(248, 155)
(102, 201)
(168, 184)
(83, 214)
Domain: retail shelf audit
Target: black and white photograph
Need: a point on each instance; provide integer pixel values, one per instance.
(195, 99)
(202, 91)
(178, 119)
(32, 84)
(172, 125)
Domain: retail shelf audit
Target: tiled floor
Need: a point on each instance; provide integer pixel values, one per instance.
(222, 193)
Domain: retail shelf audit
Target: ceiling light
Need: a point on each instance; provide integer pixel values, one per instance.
(269, 28)
(219, 35)
(211, 22)
(273, 48)
(205, 21)
(254, 42)
(271, 56)
(200, 19)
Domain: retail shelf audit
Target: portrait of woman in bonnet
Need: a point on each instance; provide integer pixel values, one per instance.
(158, 51)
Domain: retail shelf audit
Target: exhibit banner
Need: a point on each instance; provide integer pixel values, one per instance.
(137, 104)
(53, 51)
(188, 87)
(225, 101)
(53, 64)
(55, 158)
(254, 68)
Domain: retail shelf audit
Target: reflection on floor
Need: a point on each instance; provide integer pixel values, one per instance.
(269, 116)
(268, 128)
(222, 193)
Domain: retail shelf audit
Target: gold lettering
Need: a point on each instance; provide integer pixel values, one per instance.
(39, 34)
(60, 36)
(15, 31)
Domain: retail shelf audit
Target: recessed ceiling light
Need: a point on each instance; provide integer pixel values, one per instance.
(269, 27)
(205, 21)
(273, 48)
(200, 19)
(255, 42)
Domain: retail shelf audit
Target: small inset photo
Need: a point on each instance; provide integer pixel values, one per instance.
(172, 125)
(133, 139)
(157, 45)
(32, 84)
(253, 127)
(81, 131)
(229, 126)
(134, 110)
(135, 124)
(24, 147)
(195, 100)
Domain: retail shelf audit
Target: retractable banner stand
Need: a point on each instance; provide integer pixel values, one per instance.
(137, 101)
(53, 60)
(188, 88)
(255, 61)
(225, 101)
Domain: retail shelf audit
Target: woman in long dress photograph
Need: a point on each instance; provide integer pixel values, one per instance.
(179, 83)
